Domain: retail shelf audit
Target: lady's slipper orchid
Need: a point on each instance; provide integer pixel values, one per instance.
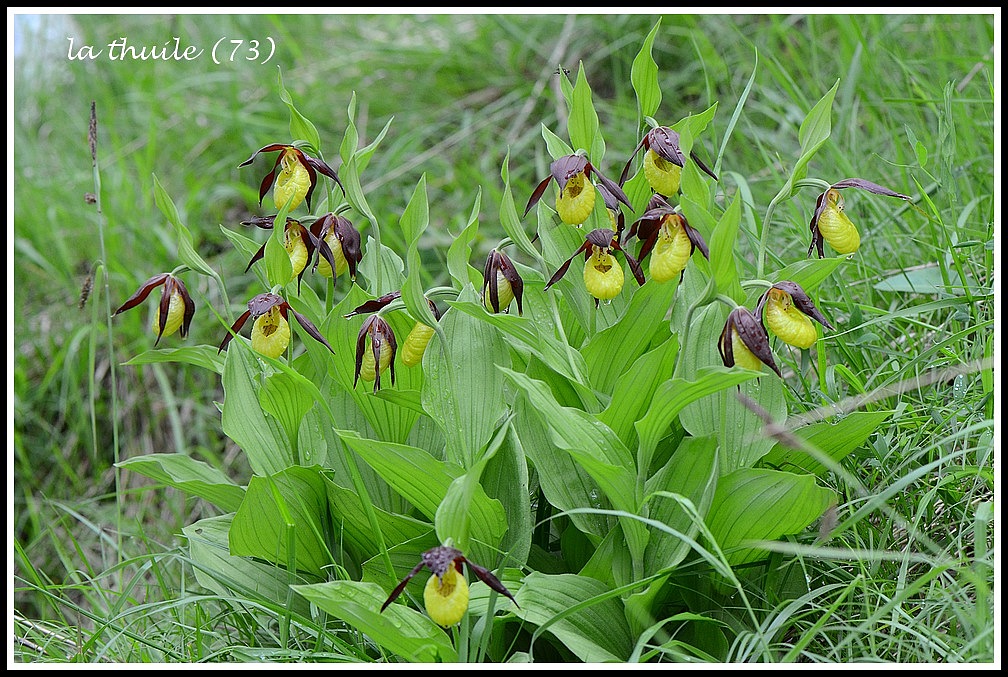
(376, 349)
(603, 274)
(416, 342)
(744, 342)
(297, 178)
(785, 310)
(663, 161)
(576, 193)
(666, 233)
(271, 332)
(175, 310)
(338, 246)
(830, 222)
(297, 241)
(501, 283)
(446, 594)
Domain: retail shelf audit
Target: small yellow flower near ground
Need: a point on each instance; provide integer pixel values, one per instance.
(297, 177)
(292, 182)
(501, 283)
(416, 344)
(337, 246)
(176, 312)
(830, 223)
(376, 350)
(671, 252)
(667, 236)
(577, 199)
(744, 342)
(446, 594)
(663, 161)
(446, 597)
(271, 331)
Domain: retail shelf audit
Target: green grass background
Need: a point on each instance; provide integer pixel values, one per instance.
(915, 101)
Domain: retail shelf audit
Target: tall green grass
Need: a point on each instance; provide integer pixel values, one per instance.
(99, 572)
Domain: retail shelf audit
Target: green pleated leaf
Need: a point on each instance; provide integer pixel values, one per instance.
(810, 273)
(632, 395)
(400, 465)
(284, 519)
(400, 630)
(200, 356)
(556, 146)
(452, 520)
(755, 504)
(460, 250)
(692, 473)
(416, 215)
(228, 575)
(611, 351)
(594, 446)
(834, 440)
(722, 251)
(506, 479)
(186, 252)
(354, 531)
(462, 390)
(644, 77)
(583, 122)
(674, 395)
(509, 217)
(301, 128)
(287, 400)
(191, 476)
(261, 437)
(581, 612)
(565, 484)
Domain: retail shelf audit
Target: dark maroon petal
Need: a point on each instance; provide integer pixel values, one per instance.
(374, 305)
(265, 149)
(510, 274)
(189, 307)
(802, 302)
(325, 169)
(870, 187)
(163, 305)
(264, 222)
(143, 292)
(695, 238)
(754, 336)
(491, 580)
(311, 329)
(235, 328)
(267, 182)
(601, 237)
(664, 141)
(312, 177)
(817, 238)
(440, 557)
(362, 336)
(263, 303)
(402, 585)
(613, 188)
(536, 194)
(626, 168)
(724, 342)
(702, 166)
(258, 255)
(563, 268)
(635, 267)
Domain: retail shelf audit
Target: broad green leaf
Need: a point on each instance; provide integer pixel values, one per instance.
(414, 222)
(922, 280)
(416, 215)
(261, 437)
(196, 478)
(814, 131)
(404, 556)
(673, 396)
(644, 77)
(583, 122)
(287, 400)
(611, 351)
(510, 220)
(460, 250)
(301, 128)
(348, 146)
(692, 473)
(401, 465)
(186, 252)
(756, 504)
(594, 446)
(631, 398)
(556, 146)
(201, 356)
(810, 273)
(400, 630)
(230, 576)
(452, 520)
(581, 612)
(244, 244)
(565, 484)
(722, 251)
(833, 440)
(461, 389)
(353, 528)
(506, 479)
(284, 519)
